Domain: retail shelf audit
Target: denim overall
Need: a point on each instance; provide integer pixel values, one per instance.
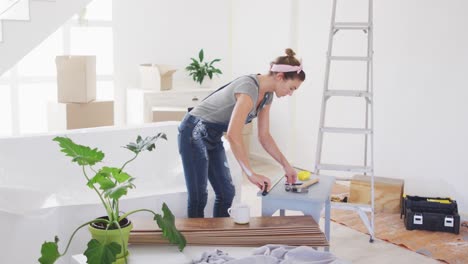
(203, 159)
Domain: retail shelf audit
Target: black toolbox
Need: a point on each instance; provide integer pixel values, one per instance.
(434, 214)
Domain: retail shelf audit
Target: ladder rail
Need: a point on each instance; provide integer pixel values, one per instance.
(371, 83)
(367, 131)
(318, 154)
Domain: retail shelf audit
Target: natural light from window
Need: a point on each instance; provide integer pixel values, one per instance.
(28, 88)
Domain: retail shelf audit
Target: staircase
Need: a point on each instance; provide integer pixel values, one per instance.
(26, 23)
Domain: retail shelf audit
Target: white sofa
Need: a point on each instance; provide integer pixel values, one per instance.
(43, 194)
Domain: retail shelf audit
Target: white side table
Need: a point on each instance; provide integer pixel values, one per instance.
(140, 102)
(150, 254)
(165, 113)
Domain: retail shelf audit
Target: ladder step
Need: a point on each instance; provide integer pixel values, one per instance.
(350, 168)
(347, 93)
(352, 25)
(349, 58)
(346, 130)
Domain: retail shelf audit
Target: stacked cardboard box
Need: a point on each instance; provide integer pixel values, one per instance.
(76, 105)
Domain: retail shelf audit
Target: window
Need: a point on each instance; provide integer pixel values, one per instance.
(41, 61)
(31, 84)
(5, 110)
(33, 112)
(5, 76)
(98, 10)
(94, 41)
(105, 90)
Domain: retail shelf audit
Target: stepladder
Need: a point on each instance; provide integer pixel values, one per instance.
(363, 93)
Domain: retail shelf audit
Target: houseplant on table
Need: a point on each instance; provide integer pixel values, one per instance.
(200, 69)
(110, 233)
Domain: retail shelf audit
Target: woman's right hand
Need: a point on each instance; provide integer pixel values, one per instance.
(260, 180)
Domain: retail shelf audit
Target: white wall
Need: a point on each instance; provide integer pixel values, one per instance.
(420, 93)
(419, 62)
(167, 32)
(421, 129)
(261, 32)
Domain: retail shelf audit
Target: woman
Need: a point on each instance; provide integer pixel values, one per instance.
(227, 110)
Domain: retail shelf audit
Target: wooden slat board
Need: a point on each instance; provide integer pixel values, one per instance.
(226, 223)
(288, 230)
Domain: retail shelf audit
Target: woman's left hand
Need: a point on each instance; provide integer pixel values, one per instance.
(291, 174)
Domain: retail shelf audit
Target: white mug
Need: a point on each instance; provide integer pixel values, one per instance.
(240, 213)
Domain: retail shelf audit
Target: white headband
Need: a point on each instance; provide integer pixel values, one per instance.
(285, 68)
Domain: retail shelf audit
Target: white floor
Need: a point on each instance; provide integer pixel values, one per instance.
(346, 243)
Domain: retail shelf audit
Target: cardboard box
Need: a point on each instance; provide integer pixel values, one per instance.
(168, 113)
(387, 192)
(156, 77)
(72, 115)
(76, 79)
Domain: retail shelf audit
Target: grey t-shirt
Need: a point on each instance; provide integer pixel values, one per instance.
(218, 107)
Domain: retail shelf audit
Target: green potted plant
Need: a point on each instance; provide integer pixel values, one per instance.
(199, 69)
(110, 233)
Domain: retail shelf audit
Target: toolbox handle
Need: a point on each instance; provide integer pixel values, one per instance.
(418, 219)
(448, 222)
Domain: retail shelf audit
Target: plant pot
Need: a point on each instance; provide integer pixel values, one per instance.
(113, 235)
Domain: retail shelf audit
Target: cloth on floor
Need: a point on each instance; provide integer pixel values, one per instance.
(213, 257)
(275, 254)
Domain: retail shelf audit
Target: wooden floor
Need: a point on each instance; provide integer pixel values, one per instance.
(441, 246)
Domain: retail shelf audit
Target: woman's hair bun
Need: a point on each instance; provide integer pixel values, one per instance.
(290, 52)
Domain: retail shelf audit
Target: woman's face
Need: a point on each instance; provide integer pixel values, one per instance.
(287, 87)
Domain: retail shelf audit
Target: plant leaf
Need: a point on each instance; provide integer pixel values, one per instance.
(200, 78)
(103, 179)
(146, 144)
(115, 173)
(213, 61)
(98, 253)
(82, 155)
(195, 63)
(201, 55)
(190, 68)
(49, 252)
(167, 225)
(121, 177)
(119, 190)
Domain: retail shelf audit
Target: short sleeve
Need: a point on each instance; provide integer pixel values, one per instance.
(247, 86)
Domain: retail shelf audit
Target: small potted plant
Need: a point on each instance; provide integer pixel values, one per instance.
(110, 233)
(200, 69)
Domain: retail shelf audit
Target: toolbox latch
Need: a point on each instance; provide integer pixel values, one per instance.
(418, 219)
(448, 221)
